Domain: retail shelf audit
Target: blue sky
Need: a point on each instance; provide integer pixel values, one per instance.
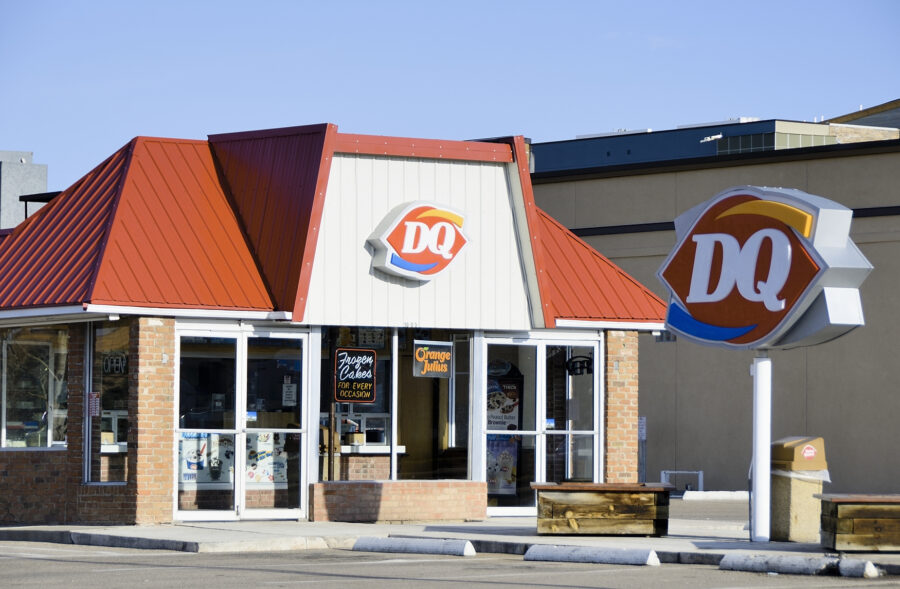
(79, 79)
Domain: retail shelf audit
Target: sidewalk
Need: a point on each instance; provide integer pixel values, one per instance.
(700, 532)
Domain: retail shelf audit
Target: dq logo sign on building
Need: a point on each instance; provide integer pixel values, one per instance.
(418, 240)
(764, 268)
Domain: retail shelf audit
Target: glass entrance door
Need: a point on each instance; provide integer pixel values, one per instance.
(542, 406)
(512, 433)
(207, 433)
(272, 432)
(240, 431)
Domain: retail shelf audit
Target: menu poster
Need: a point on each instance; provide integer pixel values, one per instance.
(266, 458)
(354, 376)
(205, 458)
(502, 458)
(503, 400)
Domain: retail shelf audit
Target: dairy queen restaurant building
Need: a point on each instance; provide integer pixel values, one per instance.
(306, 324)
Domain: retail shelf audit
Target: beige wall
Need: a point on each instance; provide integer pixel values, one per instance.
(698, 400)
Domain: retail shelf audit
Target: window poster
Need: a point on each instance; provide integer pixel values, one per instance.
(503, 396)
(205, 458)
(502, 458)
(266, 458)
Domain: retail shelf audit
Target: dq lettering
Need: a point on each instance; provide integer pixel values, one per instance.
(438, 239)
(739, 268)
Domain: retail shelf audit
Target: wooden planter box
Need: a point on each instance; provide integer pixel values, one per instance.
(636, 509)
(861, 522)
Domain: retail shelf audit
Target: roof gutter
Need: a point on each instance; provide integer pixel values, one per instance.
(88, 312)
(612, 325)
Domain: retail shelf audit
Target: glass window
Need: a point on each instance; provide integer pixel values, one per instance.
(570, 388)
(511, 407)
(273, 383)
(272, 447)
(459, 406)
(207, 381)
(206, 463)
(108, 402)
(570, 457)
(34, 396)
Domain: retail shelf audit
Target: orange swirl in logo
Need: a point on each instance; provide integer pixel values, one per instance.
(801, 221)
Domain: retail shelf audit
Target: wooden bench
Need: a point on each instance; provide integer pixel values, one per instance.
(637, 509)
(861, 522)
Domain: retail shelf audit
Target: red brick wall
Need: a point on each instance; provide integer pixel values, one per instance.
(39, 485)
(397, 501)
(46, 485)
(621, 414)
(365, 467)
(146, 497)
(33, 486)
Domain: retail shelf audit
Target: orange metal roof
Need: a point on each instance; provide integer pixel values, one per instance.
(232, 224)
(581, 284)
(51, 258)
(150, 227)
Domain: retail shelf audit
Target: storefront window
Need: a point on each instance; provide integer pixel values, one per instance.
(108, 402)
(432, 411)
(370, 420)
(34, 396)
(433, 404)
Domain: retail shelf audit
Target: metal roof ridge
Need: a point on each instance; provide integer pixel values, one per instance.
(270, 133)
(129, 148)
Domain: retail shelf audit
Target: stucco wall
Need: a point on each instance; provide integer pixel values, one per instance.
(697, 400)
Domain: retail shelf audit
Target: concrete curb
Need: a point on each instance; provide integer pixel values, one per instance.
(855, 567)
(716, 496)
(415, 546)
(633, 556)
(108, 541)
(791, 565)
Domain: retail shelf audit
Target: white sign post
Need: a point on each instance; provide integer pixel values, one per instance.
(762, 439)
(760, 269)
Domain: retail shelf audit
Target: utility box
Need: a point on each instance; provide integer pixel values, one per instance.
(798, 471)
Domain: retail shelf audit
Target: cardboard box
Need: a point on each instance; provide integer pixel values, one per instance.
(799, 453)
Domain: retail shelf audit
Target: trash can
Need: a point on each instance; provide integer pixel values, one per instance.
(798, 471)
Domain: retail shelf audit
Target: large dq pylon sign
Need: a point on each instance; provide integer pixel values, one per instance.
(762, 268)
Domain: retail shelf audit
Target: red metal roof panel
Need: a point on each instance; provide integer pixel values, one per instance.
(423, 148)
(276, 179)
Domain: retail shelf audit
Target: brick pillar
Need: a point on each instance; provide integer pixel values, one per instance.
(152, 395)
(75, 372)
(621, 414)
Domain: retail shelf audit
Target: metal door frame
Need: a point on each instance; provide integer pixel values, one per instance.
(240, 333)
